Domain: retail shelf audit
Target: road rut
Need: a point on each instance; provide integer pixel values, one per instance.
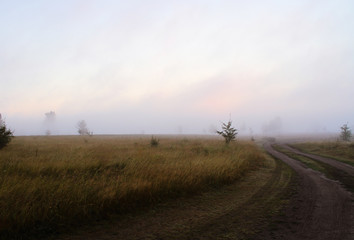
(322, 209)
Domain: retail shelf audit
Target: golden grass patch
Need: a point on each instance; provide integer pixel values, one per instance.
(47, 182)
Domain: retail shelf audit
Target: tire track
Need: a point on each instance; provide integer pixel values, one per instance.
(331, 168)
(323, 209)
(224, 225)
(334, 163)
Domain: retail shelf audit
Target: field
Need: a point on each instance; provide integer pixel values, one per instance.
(51, 183)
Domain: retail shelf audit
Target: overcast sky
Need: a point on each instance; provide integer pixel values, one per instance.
(131, 67)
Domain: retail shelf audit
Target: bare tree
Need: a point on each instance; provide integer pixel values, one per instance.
(228, 133)
(345, 133)
(82, 128)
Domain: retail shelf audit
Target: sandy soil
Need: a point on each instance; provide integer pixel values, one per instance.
(322, 209)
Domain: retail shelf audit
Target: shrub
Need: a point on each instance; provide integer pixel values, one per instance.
(5, 134)
(154, 142)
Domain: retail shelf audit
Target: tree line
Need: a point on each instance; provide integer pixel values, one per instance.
(228, 132)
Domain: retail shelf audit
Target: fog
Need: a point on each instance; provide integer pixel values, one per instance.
(176, 67)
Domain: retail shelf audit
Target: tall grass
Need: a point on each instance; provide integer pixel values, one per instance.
(51, 182)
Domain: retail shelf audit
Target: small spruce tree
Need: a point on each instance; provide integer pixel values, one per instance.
(345, 133)
(228, 132)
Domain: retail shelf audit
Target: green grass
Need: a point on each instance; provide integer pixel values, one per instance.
(48, 183)
(310, 163)
(329, 171)
(341, 151)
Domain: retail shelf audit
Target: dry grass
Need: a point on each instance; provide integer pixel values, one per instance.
(342, 151)
(51, 182)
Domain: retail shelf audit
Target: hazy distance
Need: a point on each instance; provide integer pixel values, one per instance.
(177, 67)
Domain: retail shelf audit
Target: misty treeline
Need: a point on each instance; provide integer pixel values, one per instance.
(50, 119)
(228, 132)
(274, 126)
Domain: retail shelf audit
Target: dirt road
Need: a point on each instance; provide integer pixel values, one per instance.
(322, 209)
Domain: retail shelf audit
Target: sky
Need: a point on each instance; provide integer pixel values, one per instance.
(177, 67)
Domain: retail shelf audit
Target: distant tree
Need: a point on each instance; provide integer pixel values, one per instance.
(82, 128)
(228, 133)
(345, 133)
(50, 116)
(5, 134)
(49, 122)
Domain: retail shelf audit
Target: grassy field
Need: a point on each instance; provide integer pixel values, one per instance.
(48, 183)
(341, 151)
